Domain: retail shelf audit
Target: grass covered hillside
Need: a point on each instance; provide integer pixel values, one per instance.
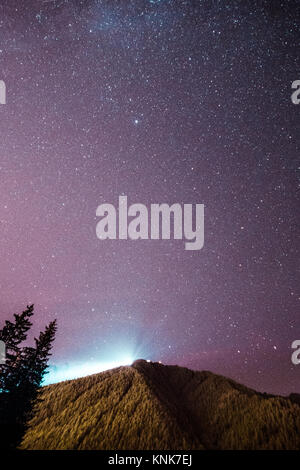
(152, 406)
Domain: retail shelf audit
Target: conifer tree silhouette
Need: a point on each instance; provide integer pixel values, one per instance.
(21, 375)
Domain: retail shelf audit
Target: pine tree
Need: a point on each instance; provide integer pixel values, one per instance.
(35, 359)
(13, 334)
(21, 375)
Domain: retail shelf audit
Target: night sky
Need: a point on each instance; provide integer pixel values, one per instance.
(162, 101)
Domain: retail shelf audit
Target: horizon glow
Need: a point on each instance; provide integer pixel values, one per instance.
(72, 371)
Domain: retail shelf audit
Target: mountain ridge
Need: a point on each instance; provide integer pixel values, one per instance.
(154, 406)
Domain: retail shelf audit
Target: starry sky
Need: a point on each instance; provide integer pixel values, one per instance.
(162, 101)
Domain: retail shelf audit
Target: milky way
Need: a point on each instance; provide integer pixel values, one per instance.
(162, 101)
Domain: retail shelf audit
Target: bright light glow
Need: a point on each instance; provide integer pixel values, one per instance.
(63, 372)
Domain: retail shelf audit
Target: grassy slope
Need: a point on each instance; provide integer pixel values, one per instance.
(151, 406)
(110, 410)
(225, 414)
